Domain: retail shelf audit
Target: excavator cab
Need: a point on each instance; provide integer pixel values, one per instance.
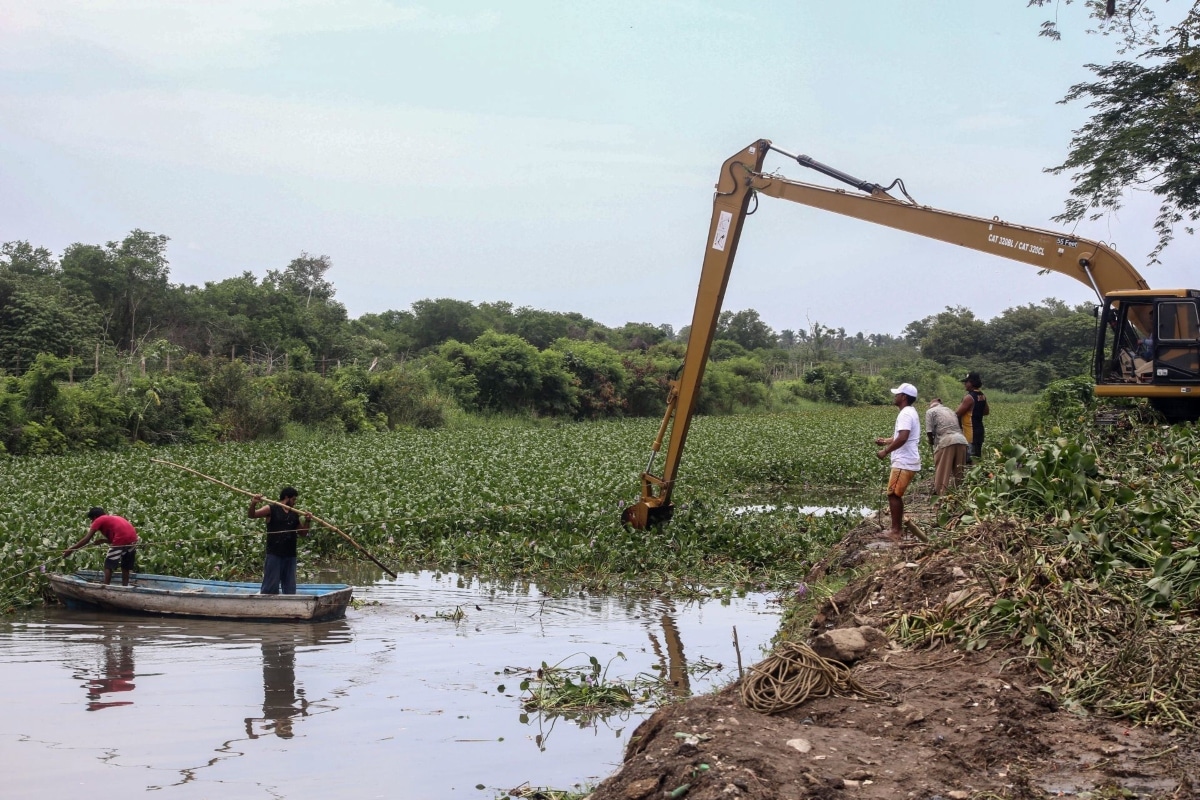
(1148, 345)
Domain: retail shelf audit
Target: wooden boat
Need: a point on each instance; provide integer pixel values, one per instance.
(187, 597)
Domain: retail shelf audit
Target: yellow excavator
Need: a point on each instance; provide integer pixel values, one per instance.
(1147, 340)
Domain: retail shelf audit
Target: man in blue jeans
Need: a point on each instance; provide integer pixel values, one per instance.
(283, 524)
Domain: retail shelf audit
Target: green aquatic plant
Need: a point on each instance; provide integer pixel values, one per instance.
(500, 500)
(578, 692)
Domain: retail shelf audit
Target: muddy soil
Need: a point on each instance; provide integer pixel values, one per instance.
(956, 725)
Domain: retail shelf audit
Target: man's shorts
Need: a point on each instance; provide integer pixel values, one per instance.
(898, 481)
(123, 557)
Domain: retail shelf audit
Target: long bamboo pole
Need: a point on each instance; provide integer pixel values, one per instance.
(329, 525)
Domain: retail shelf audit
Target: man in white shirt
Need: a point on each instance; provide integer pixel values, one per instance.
(902, 447)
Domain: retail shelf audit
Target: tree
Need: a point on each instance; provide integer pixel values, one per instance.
(304, 278)
(437, 321)
(746, 328)
(127, 279)
(955, 333)
(1144, 131)
(23, 258)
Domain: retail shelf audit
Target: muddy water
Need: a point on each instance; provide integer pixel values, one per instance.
(400, 700)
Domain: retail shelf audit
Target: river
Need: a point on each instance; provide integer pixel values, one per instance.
(402, 699)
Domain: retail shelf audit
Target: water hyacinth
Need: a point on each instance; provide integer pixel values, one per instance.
(499, 499)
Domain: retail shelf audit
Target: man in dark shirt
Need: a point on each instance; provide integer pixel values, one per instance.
(283, 524)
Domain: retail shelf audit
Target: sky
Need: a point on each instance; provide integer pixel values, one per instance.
(554, 155)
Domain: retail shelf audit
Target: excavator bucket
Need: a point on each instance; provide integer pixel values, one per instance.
(642, 515)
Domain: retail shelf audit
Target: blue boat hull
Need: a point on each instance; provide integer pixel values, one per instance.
(188, 597)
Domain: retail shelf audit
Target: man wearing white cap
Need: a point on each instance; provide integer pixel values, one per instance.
(906, 459)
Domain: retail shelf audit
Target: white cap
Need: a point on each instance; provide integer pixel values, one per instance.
(906, 388)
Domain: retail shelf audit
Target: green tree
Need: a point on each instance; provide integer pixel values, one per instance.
(746, 328)
(507, 373)
(954, 333)
(437, 321)
(304, 279)
(1144, 131)
(38, 316)
(126, 279)
(600, 377)
(22, 258)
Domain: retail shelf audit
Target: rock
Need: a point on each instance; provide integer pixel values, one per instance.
(803, 745)
(849, 644)
(958, 794)
(910, 714)
(640, 789)
(957, 572)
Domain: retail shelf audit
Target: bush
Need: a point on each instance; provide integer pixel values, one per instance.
(168, 410)
(406, 397)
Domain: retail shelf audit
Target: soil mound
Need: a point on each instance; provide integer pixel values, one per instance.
(955, 724)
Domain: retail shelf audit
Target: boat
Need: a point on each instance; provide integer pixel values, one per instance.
(190, 597)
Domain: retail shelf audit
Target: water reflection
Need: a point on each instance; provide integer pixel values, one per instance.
(672, 663)
(118, 674)
(416, 695)
(281, 699)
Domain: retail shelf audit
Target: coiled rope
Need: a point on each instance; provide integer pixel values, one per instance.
(793, 673)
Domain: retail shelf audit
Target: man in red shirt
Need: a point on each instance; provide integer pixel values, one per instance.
(122, 543)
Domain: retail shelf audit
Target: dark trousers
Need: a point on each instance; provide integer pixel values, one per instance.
(279, 571)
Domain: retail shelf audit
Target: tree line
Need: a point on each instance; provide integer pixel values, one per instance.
(98, 348)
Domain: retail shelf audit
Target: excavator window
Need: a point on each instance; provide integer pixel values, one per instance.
(1132, 327)
(1179, 340)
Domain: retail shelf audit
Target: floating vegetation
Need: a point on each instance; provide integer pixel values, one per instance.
(576, 692)
(502, 501)
(457, 615)
(527, 792)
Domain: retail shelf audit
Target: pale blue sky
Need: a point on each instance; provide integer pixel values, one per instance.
(557, 155)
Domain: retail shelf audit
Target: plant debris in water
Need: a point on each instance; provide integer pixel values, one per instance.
(576, 692)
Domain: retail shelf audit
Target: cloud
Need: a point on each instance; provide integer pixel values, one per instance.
(184, 35)
(412, 146)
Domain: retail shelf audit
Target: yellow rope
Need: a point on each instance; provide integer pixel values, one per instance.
(792, 674)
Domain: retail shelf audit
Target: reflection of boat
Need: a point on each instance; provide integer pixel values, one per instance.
(162, 594)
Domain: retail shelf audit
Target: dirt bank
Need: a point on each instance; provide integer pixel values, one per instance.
(955, 725)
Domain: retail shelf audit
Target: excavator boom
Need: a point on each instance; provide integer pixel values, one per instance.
(1094, 264)
(740, 182)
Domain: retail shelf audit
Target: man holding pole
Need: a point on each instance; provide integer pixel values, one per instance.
(283, 524)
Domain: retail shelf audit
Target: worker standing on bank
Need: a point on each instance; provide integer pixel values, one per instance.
(970, 413)
(906, 458)
(948, 443)
(283, 526)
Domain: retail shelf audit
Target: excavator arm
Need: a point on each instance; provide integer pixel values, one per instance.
(742, 180)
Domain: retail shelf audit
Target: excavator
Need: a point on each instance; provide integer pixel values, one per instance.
(1147, 340)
